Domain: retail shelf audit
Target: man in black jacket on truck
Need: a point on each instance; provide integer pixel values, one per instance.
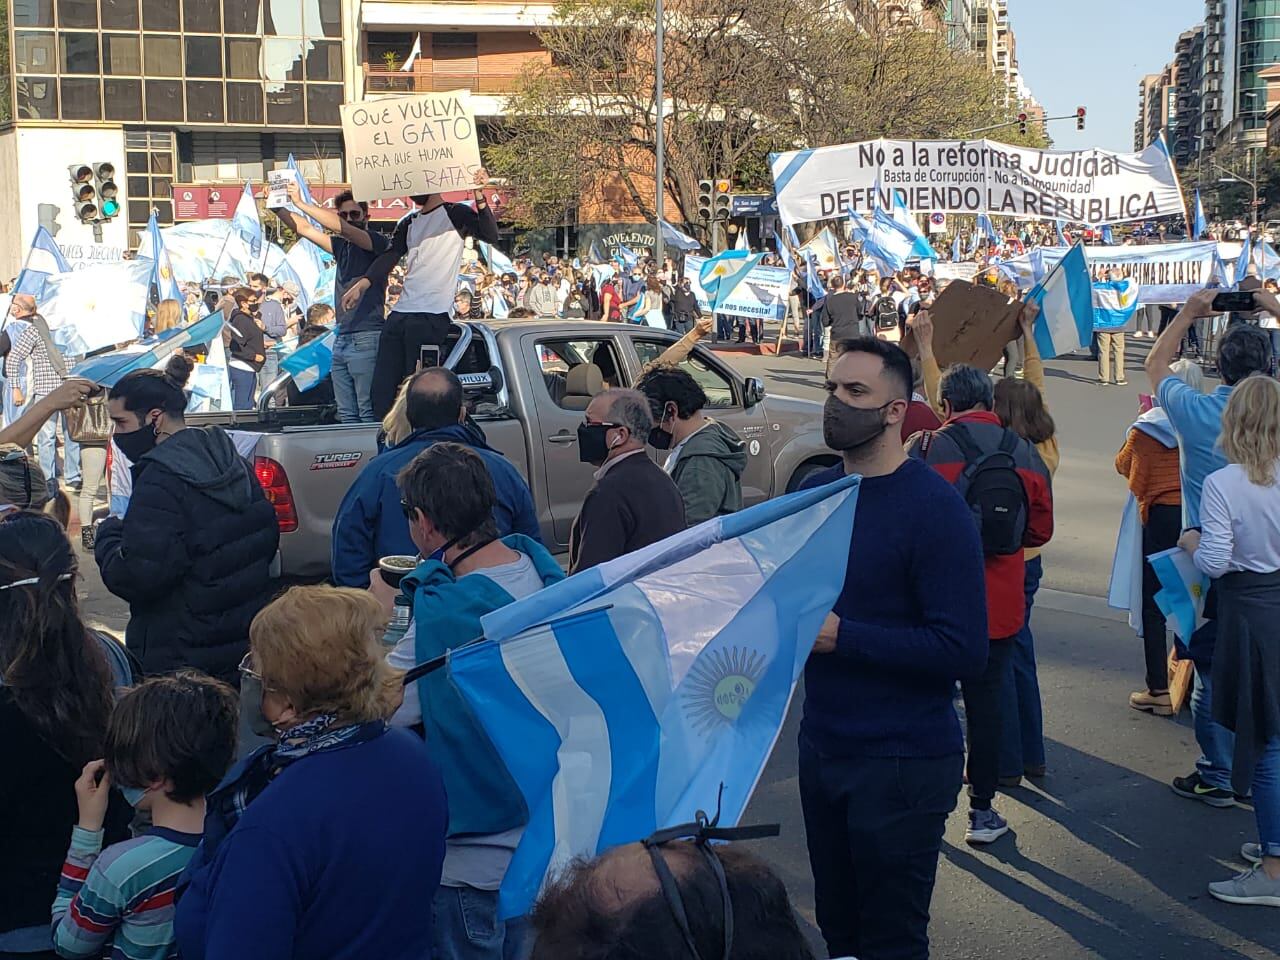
(431, 240)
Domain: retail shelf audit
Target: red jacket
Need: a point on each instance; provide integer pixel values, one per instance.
(1006, 600)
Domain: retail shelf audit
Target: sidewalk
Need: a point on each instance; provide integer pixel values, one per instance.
(1103, 860)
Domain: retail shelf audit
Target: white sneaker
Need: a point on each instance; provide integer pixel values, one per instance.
(1253, 887)
(985, 826)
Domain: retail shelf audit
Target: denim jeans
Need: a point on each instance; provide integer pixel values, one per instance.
(1275, 348)
(1217, 743)
(874, 828)
(70, 454)
(242, 385)
(1022, 743)
(270, 370)
(465, 926)
(47, 450)
(724, 326)
(354, 356)
(1266, 798)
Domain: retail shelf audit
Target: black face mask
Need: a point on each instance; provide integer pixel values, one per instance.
(661, 439)
(593, 442)
(846, 427)
(136, 443)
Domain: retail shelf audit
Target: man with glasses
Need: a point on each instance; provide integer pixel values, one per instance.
(354, 247)
(633, 502)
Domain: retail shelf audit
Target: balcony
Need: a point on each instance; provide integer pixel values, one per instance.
(378, 82)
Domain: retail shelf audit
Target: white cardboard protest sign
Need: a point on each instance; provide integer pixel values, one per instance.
(278, 187)
(405, 146)
(978, 176)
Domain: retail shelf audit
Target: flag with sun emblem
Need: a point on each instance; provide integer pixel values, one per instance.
(162, 278)
(622, 698)
(99, 306)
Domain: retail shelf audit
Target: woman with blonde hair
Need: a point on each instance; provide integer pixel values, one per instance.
(168, 316)
(1238, 546)
(335, 834)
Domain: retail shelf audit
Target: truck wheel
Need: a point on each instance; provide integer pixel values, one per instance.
(808, 469)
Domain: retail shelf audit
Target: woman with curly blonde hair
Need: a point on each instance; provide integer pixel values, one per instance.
(335, 833)
(1239, 547)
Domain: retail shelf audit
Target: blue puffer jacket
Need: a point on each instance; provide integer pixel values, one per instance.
(370, 524)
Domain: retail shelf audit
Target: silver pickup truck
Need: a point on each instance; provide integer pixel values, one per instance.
(527, 384)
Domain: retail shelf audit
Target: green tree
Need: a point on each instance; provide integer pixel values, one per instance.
(742, 78)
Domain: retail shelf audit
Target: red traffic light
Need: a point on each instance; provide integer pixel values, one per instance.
(1022, 118)
(1080, 111)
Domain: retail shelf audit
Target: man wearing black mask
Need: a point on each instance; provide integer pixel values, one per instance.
(633, 502)
(881, 753)
(684, 307)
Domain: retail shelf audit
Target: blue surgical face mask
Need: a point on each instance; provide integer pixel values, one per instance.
(133, 795)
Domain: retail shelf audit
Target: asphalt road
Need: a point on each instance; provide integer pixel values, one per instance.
(1103, 860)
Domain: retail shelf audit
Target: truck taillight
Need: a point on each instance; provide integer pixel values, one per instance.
(275, 484)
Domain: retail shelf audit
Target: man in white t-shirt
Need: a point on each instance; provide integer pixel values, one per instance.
(431, 239)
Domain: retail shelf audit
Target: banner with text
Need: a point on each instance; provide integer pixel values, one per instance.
(762, 294)
(980, 176)
(1165, 272)
(406, 146)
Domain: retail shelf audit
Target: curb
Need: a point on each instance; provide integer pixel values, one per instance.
(766, 349)
(1081, 604)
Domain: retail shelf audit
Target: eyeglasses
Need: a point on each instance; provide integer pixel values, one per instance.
(601, 423)
(351, 214)
(246, 670)
(407, 510)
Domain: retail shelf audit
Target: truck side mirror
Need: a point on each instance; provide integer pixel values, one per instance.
(753, 392)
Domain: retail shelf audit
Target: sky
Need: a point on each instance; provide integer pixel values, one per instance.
(1091, 54)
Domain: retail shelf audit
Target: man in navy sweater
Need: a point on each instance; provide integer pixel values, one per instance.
(881, 753)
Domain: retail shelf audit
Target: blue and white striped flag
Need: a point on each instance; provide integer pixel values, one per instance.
(859, 226)
(1242, 262)
(499, 306)
(1183, 590)
(627, 258)
(498, 261)
(813, 280)
(988, 229)
(246, 222)
(311, 362)
(677, 239)
(303, 191)
(162, 277)
(622, 698)
(106, 369)
(784, 252)
(44, 260)
(955, 249)
(1201, 226)
(1062, 237)
(721, 274)
(596, 254)
(1108, 237)
(1114, 304)
(99, 306)
(1065, 298)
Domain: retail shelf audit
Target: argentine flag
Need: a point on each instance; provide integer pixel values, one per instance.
(596, 254)
(988, 230)
(162, 277)
(1201, 225)
(1057, 227)
(955, 249)
(1114, 304)
(813, 282)
(622, 698)
(784, 252)
(1108, 237)
(1065, 298)
(246, 222)
(106, 369)
(627, 258)
(498, 261)
(303, 191)
(1183, 590)
(311, 362)
(1246, 255)
(676, 239)
(721, 274)
(99, 306)
(44, 259)
(859, 226)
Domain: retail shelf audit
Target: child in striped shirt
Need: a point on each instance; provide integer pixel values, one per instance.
(169, 742)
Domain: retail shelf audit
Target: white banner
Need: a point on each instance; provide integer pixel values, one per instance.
(980, 176)
(762, 294)
(409, 146)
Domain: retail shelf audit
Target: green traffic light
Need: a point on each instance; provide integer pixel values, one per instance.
(110, 208)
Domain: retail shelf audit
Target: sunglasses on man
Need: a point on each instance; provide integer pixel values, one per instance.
(350, 215)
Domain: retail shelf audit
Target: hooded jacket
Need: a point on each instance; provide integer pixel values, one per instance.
(192, 554)
(370, 523)
(708, 471)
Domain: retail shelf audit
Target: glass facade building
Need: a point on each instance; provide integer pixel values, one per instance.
(1257, 47)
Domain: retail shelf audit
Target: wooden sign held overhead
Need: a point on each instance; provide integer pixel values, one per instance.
(407, 146)
(971, 325)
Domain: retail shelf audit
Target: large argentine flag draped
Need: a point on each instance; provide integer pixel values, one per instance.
(1114, 304)
(99, 306)
(311, 362)
(44, 259)
(1065, 298)
(721, 274)
(622, 698)
(107, 368)
(162, 277)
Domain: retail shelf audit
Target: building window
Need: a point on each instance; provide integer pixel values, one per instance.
(79, 54)
(160, 15)
(282, 18)
(322, 18)
(323, 100)
(204, 57)
(37, 98)
(163, 55)
(324, 61)
(244, 103)
(244, 58)
(284, 105)
(122, 99)
(164, 100)
(78, 14)
(148, 151)
(204, 101)
(120, 14)
(121, 56)
(81, 98)
(201, 16)
(34, 52)
(282, 60)
(242, 16)
(33, 13)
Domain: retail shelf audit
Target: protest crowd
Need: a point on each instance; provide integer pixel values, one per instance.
(261, 771)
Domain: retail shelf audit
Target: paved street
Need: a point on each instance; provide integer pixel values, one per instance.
(1103, 860)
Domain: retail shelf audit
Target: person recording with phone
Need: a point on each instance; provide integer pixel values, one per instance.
(431, 239)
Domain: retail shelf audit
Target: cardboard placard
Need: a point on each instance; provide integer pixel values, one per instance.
(405, 146)
(971, 325)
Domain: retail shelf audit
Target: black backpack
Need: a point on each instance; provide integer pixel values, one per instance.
(885, 313)
(992, 488)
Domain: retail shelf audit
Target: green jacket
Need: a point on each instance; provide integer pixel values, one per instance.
(708, 471)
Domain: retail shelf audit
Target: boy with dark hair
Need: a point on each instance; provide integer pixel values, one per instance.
(169, 742)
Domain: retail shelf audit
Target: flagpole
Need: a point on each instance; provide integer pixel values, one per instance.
(660, 178)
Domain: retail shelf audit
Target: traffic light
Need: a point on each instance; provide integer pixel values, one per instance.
(83, 192)
(108, 193)
(723, 200)
(47, 217)
(705, 191)
(1079, 118)
(1022, 124)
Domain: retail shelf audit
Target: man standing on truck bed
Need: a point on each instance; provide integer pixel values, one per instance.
(371, 523)
(431, 240)
(355, 248)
